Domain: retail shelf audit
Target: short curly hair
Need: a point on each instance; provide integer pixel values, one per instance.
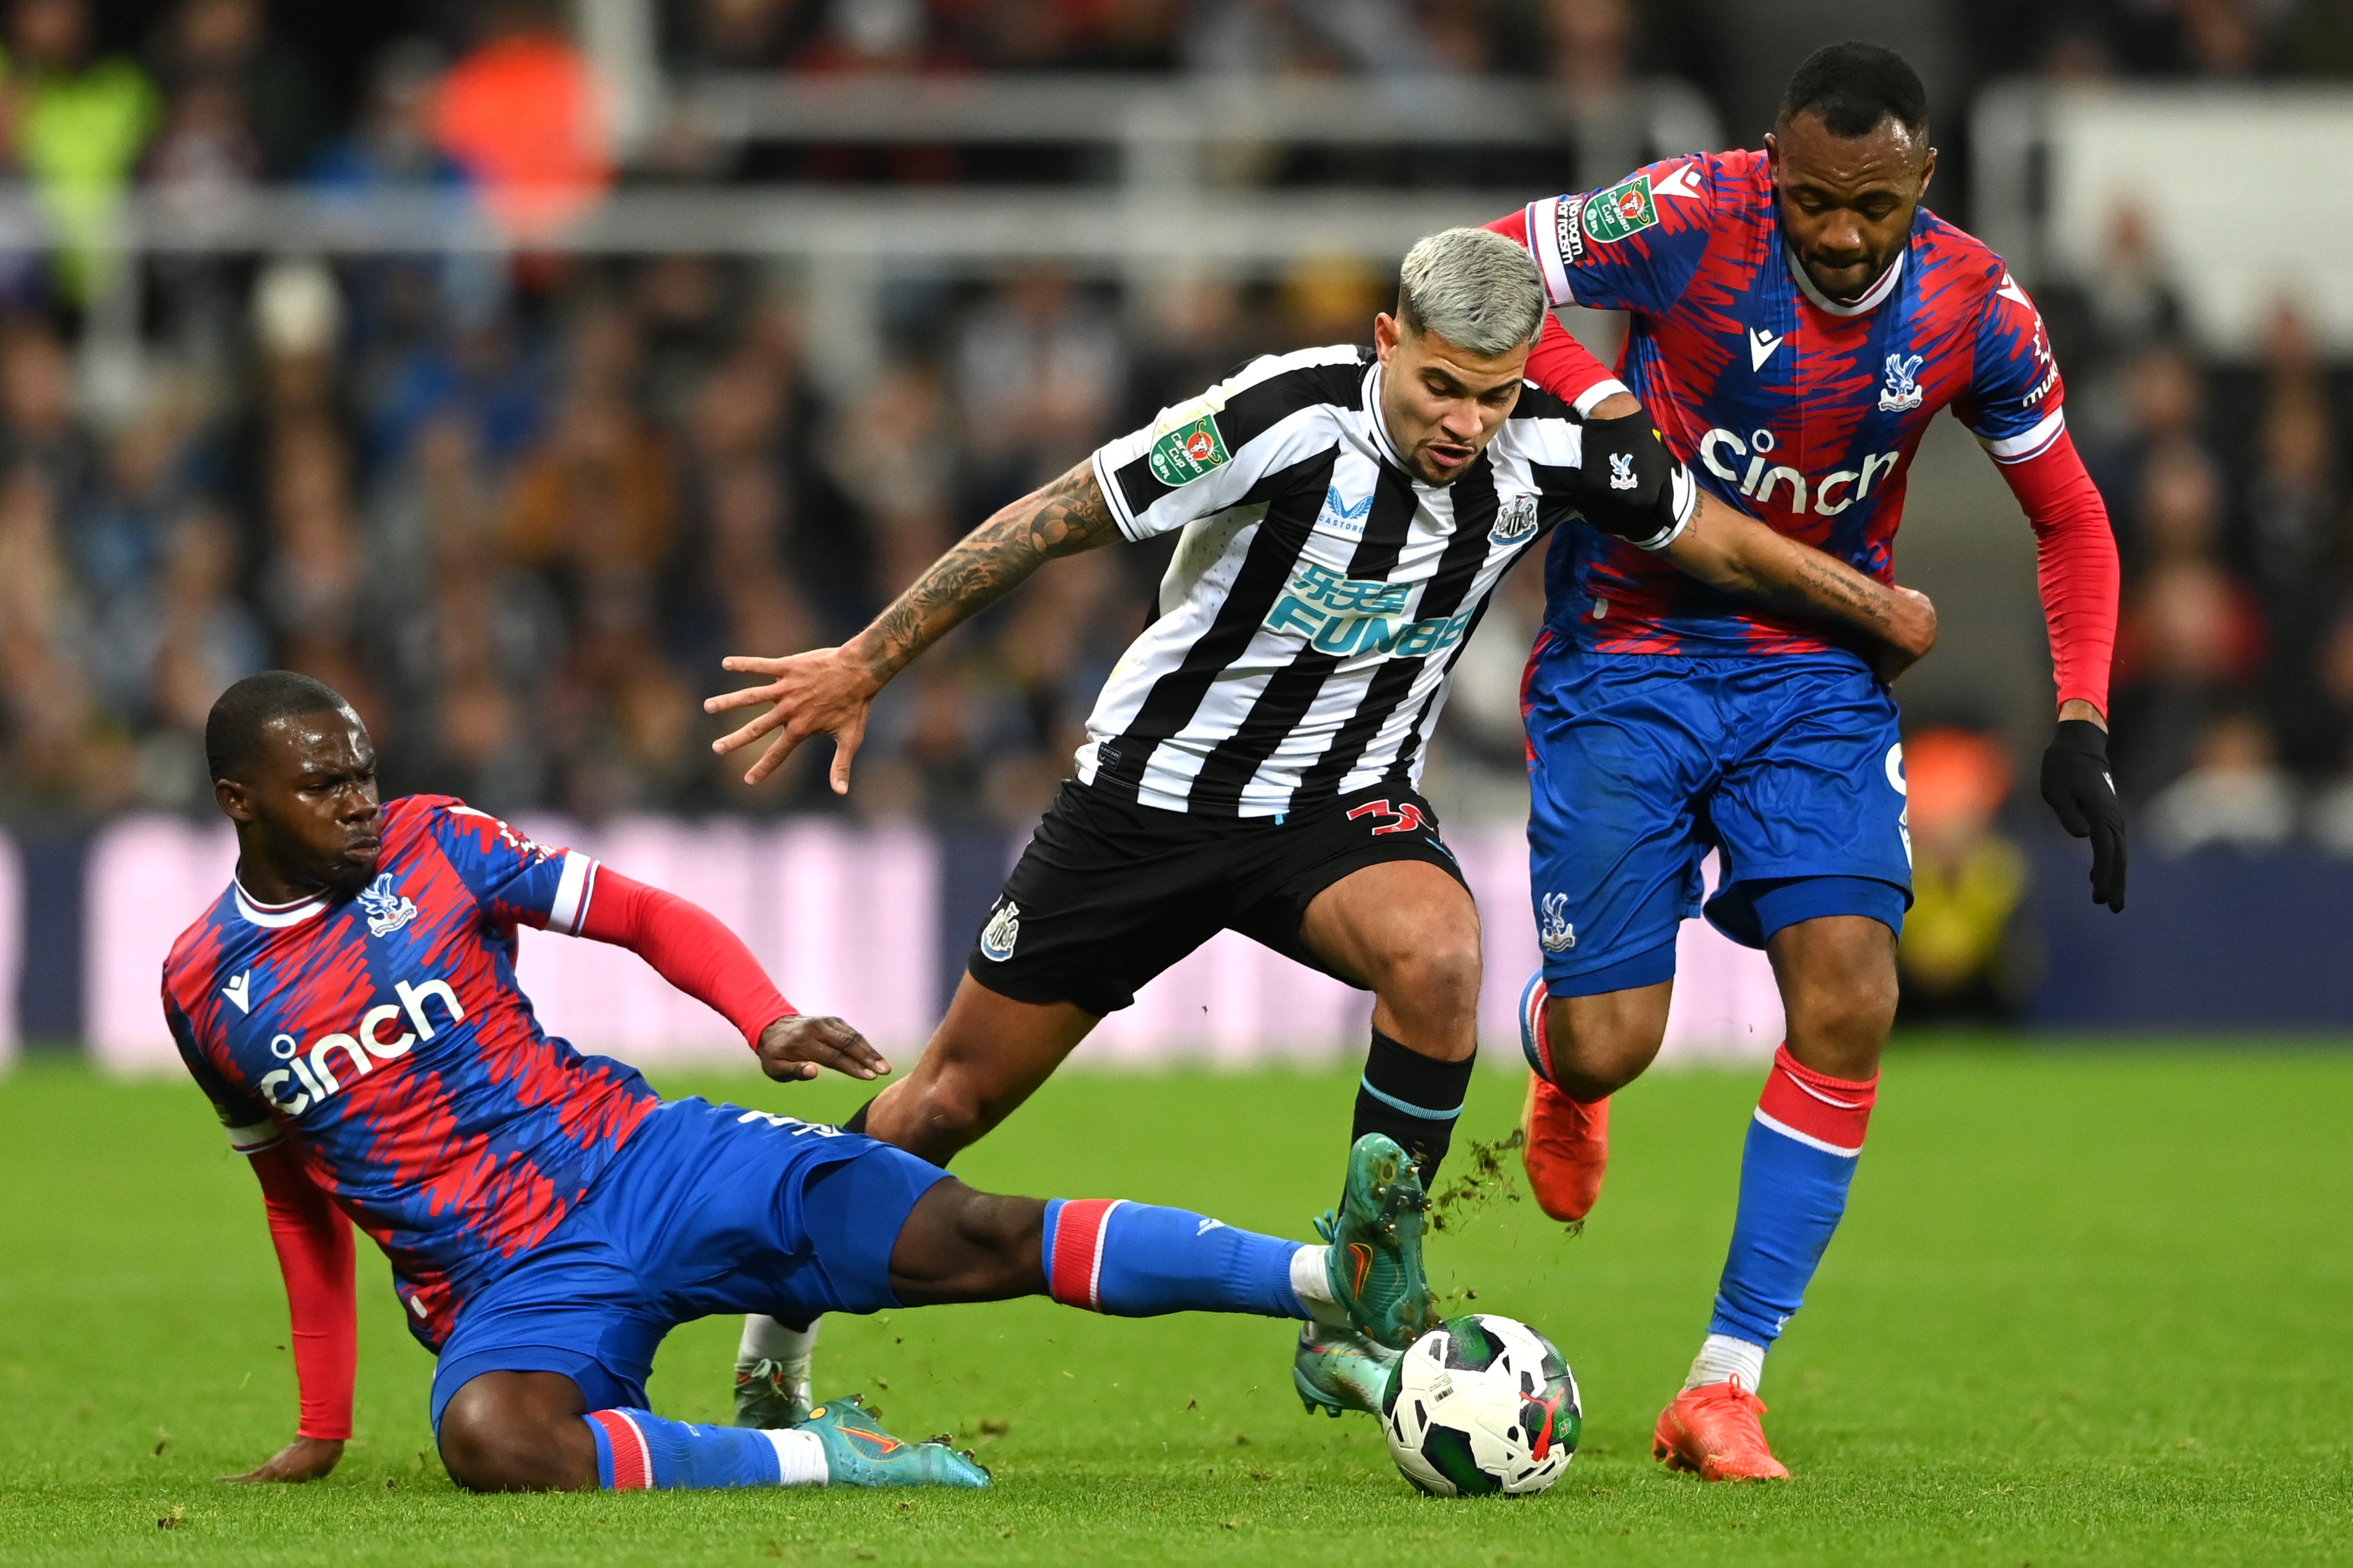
(1856, 88)
(233, 728)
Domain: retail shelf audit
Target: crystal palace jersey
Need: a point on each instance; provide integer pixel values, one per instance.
(1321, 593)
(385, 1034)
(1799, 410)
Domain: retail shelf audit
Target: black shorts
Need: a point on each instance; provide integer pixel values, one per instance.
(1110, 893)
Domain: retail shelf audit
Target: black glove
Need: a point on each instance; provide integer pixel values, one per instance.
(2076, 782)
(1629, 484)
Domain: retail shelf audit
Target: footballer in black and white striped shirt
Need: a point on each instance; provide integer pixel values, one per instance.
(1344, 515)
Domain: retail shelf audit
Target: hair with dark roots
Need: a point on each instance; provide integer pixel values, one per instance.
(1856, 89)
(233, 728)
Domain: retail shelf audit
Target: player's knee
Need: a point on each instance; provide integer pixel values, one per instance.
(1601, 1043)
(480, 1445)
(1433, 975)
(955, 1105)
(1844, 1026)
(1839, 991)
(490, 1444)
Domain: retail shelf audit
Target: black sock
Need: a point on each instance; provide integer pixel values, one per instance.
(1412, 1098)
(857, 1123)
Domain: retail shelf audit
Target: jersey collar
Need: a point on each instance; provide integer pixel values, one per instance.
(1876, 296)
(1378, 425)
(275, 916)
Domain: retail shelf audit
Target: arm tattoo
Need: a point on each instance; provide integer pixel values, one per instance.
(1063, 518)
(1821, 586)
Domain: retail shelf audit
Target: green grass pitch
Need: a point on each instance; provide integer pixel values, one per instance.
(2088, 1306)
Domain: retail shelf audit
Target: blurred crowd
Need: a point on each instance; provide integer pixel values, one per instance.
(519, 509)
(2234, 691)
(1575, 39)
(520, 521)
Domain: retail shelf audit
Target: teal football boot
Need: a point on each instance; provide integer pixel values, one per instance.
(859, 1453)
(767, 1397)
(1372, 1261)
(1335, 1370)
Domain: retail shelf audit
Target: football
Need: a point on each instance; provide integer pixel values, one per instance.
(1482, 1405)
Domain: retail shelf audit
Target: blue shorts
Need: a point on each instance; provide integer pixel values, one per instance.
(1640, 764)
(708, 1208)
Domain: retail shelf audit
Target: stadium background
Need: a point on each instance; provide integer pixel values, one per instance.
(353, 338)
(506, 366)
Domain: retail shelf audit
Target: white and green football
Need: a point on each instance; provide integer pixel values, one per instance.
(1482, 1405)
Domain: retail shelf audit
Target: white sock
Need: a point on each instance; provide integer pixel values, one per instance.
(1721, 1358)
(800, 1456)
(1309, 1283)
(764, 1339)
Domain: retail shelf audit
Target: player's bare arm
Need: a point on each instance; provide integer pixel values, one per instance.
(1730, 550)
(828, 690)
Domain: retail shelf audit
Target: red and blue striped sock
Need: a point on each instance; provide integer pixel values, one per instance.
(1794, 1174)
(1136, 1260)
(637, 1448)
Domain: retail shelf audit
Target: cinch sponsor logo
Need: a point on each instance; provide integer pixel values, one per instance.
(310, 1078)
(1832, 493)
(1347, 615)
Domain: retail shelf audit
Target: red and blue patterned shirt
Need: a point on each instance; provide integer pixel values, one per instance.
(1799, 410)
(387, 1032)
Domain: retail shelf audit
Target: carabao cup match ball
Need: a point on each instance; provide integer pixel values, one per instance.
(1482, 1405)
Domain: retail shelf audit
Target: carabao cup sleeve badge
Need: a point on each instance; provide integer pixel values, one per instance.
(1187, 452)
(1624, 208)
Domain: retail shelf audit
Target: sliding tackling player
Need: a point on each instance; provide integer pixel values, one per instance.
(349, 1004)
(1252, 763)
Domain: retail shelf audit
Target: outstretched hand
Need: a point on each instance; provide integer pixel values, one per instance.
(825, 691)
(794, 1048)
(304, 1460)
(1909, 636)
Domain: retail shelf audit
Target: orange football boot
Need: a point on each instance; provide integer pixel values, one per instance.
(1565, 1142)
(1714, 1431)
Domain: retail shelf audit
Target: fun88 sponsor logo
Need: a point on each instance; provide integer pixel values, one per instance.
(1345, 617)
(1748, 464)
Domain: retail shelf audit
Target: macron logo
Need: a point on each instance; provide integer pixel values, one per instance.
(1683, 181)
(240, 991)
(1761, 344)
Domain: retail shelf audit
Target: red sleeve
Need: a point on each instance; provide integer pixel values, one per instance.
(688, 946)
(1560, 364)
(314, 1254)
(2076, 563)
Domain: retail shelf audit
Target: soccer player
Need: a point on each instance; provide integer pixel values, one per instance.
(349, 1003)
(1797, 318)
(1252, 763)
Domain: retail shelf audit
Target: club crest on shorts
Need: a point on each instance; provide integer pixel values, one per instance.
(1515, 518)
(1621, 471)
(387, 909)
(1003, 930)
(1553, 934)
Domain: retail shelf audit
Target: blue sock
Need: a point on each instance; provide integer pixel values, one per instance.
(1794, 1174)
(637, 1448)
(1136, 1260)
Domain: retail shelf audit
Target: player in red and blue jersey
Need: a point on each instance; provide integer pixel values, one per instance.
(349, 1003)
(1796, 319)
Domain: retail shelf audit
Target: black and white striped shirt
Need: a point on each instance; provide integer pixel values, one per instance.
(1321, 593)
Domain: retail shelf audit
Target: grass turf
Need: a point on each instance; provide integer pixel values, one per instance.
(2087, 1307)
